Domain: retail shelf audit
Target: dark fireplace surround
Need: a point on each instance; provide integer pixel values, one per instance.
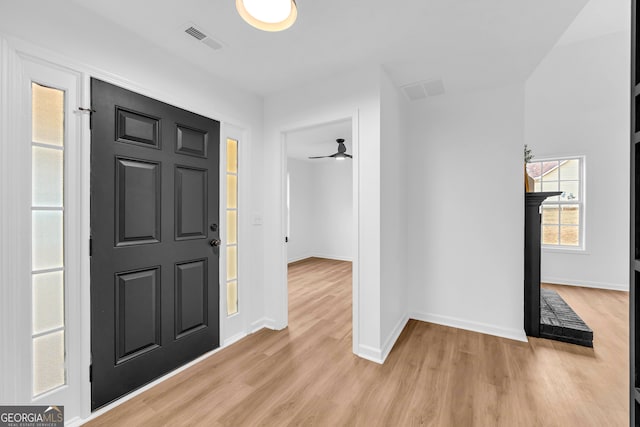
(558, 320)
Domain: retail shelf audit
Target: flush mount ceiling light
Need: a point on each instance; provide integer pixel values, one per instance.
(268, 15)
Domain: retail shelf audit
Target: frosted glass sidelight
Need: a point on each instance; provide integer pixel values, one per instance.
(47, 240)
(48, 362)
(232, 155)
(232, 298)
(232, 262)
(47, 115)
(232, 191)
(47, 174)
(232, 227)
(48, 301)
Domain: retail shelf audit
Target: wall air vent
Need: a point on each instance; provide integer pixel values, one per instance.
(201, 36)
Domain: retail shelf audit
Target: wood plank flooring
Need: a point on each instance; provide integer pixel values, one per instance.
(435, 375)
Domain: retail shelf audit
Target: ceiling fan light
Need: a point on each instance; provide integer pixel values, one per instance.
(268, 15)
(340, 156)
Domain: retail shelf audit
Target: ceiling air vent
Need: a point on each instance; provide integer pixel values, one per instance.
(422, 89)
(414, 91)
(200, 35)
(434, 87)
(196, 33)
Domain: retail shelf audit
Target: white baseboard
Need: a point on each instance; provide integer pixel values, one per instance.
(75, 421)
(320, 255)
(299, 258)
(265, 322)
(257, 325)
(483, 328)
(393, 337)
(370, 353)
(234, 338)
(586, 284)
(335, 257)
(378, 355)
(273, 325)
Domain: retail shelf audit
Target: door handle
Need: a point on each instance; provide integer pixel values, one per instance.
(215, 242)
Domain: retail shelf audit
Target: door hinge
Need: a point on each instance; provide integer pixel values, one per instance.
(90, 373)
(286, 239)
(90, 246)
(90, 111)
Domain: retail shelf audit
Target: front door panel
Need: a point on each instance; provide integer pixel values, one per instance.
(154, 274)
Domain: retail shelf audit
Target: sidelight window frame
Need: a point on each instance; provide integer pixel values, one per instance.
(37, 209)
(17, 315)
(235, 175)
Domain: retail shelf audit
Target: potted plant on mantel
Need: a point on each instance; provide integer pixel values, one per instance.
(529, 183)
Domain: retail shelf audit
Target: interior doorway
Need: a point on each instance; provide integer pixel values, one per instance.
(321, 225)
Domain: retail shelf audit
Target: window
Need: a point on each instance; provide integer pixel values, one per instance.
(563, 215)
(232, 226)
(48, 246)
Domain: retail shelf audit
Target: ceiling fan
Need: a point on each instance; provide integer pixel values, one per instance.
(340, 155)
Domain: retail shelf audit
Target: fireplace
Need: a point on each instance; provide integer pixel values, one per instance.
(558, 321)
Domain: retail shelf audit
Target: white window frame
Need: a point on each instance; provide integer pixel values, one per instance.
(581, 248)
(16, 304)
(235, 326)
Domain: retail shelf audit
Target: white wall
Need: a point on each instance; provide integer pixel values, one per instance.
(333, 208)
(466, 214)
(577, 103)
(354, 93)
(321, 215)
(301, 212)
(393, 212)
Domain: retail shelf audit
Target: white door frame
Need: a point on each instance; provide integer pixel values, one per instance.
(12, 245)
(16, 214)
(283, 285)
(234, 327)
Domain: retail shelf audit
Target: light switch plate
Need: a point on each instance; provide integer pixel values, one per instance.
(257, 219)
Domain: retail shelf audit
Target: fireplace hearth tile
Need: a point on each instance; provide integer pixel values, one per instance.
(559, 322)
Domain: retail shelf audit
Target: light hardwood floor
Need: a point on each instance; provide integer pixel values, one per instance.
(434, 376)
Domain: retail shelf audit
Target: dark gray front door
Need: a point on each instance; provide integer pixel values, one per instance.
(154, 221)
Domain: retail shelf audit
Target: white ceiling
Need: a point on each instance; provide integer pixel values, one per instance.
(598, 18)
(319, 141)
(470, 44)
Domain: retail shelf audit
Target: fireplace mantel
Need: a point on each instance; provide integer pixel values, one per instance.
(532, 237)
